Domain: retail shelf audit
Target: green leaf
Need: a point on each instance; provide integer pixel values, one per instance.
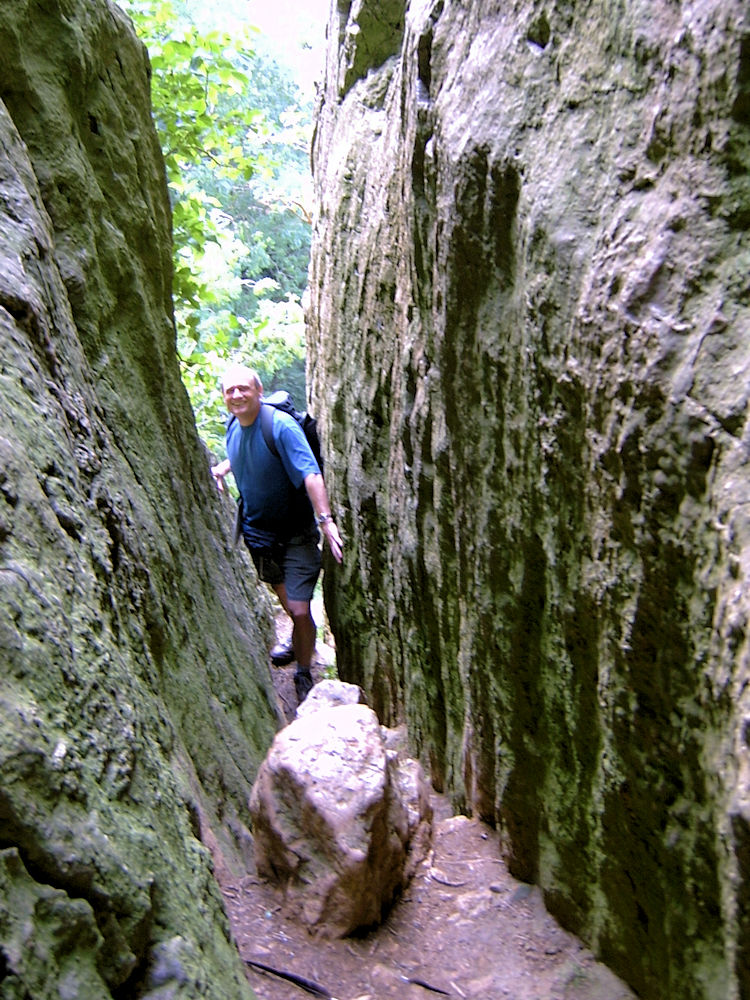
(235, 139)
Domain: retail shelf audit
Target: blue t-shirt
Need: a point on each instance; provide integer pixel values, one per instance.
(272, 488)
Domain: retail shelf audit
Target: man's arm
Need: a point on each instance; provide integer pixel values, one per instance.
(316, 490)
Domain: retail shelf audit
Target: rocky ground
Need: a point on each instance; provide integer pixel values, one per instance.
(464, 928)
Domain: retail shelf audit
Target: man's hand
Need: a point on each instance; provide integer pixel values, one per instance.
(332, 536)
(316, 490)
(219, 471)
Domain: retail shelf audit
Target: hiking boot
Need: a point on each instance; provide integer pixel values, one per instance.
(303, 684)
(282, 654)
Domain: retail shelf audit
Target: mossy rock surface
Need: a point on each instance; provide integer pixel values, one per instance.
(529, 348)
(135, 696)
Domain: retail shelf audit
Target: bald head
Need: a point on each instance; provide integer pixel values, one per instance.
(237, 375)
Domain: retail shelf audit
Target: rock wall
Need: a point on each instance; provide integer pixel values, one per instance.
(529, 347)
(135, 696)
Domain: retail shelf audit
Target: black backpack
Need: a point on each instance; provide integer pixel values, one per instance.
(281, 400)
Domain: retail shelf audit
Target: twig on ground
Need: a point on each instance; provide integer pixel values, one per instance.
(443, 881)
(424, 985)
(470, 861)
(291, 977)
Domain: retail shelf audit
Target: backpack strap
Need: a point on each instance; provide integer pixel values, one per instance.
(266, 426)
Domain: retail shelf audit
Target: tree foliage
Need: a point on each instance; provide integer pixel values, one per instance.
(235, 139)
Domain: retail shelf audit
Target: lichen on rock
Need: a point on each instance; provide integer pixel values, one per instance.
(528, 346)
(135, 697)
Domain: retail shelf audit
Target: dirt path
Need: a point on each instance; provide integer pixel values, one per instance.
(464, 928)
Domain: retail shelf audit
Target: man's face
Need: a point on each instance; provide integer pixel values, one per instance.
(242, 394)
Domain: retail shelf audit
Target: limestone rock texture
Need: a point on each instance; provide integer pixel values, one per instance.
(135, 698)
(341, 817)
(530, 351)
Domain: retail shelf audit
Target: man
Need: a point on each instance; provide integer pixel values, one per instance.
(279, 517)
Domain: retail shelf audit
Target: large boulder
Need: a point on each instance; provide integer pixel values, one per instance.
(340, 818)
(529, 348)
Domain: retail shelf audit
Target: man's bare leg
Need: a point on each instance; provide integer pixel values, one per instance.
(303, 633)
(283, 652)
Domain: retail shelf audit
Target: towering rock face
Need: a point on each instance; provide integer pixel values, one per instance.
(530, 313)
(135, 700)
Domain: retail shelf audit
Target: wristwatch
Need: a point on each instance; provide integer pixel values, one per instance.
(323, 518)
